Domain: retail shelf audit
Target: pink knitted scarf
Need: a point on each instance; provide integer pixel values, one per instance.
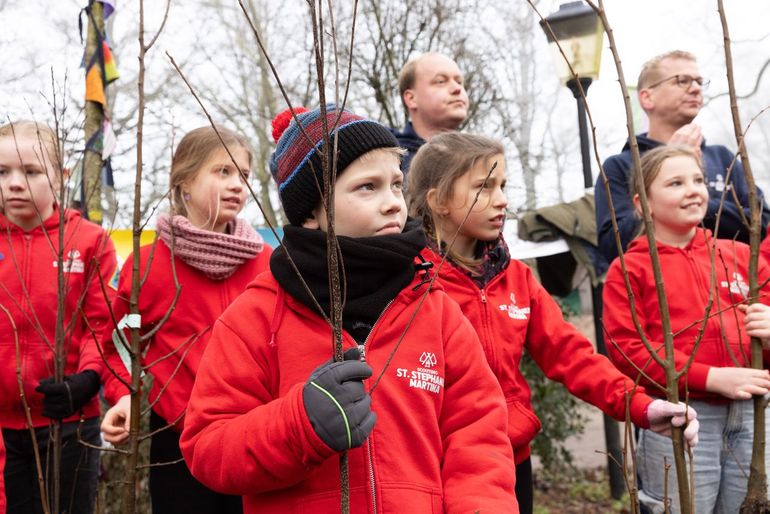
(215, 254)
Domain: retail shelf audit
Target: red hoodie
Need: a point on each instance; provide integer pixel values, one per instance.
(28, 289)
(175, 350)
(686, 278)
(514, 312)
(439, 444)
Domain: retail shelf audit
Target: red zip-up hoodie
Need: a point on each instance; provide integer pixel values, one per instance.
(687, 281)
(174, 352)
(439, 444)
(29, 290)
(512, 312)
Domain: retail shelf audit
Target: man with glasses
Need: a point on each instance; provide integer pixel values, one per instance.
(670, 90)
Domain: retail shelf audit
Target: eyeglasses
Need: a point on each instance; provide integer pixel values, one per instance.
(683, 81)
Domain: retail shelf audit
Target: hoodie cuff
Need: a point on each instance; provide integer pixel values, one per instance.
(696, 376)
(314, 450)
(638, 406)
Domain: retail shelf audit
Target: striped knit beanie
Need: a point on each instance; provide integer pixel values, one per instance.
(296, 162)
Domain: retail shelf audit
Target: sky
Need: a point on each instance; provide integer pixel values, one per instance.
(642, 30)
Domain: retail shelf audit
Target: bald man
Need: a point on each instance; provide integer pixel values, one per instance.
(433, 93)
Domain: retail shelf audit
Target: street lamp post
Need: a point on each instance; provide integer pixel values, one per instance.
(578, 31)
(585, 152)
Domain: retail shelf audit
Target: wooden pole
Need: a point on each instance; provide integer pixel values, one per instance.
(94, 117)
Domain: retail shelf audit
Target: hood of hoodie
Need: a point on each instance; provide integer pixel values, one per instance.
(50, 223)
(702, 238)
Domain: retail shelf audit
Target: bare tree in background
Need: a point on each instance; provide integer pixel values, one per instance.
(247, 99)
(392, 32)
(522, 112)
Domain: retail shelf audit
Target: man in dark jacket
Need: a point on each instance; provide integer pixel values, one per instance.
(670, 90)
(433, 93)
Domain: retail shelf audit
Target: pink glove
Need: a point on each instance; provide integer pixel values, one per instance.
(662, 415)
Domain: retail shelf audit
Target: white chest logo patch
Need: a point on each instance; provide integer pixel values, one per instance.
(515, 311)
(737, 285)
(428, 359)
(72, 263)
(424, 377)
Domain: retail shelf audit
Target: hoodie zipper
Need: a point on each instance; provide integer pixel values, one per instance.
(703, 285)
(485, 331)
(370, 459)
(371, 474)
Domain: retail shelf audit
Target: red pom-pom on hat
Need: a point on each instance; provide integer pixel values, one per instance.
(282, 120)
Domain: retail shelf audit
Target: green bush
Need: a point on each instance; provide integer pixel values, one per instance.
(558, 410)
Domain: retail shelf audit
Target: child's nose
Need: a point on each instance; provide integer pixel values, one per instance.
(237, 182)
(499, 199)
(16, 180)
(393, 203)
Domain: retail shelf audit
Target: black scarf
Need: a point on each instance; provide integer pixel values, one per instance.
(376, 269)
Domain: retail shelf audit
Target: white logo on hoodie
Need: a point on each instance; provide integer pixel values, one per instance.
(514, 311)
(737, 285)
(72, 263)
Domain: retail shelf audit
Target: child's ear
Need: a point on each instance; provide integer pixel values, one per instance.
(433, 203)
(311, 222)
(317, 218)
(637, 206)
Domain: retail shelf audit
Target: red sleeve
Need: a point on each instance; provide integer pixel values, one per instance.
(114, 389)
(567, 356)
(478, 470)
(238, 438)
(764, 249)
(763, 274)
(97, 298)
(624, 343)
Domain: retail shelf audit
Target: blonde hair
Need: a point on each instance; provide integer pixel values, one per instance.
(394, 151)
(651, 164)
(40, 132)
(437, 165)
(651, 69)
(193, 150)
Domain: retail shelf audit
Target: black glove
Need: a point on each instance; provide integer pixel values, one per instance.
(64, 399)
(336, 403)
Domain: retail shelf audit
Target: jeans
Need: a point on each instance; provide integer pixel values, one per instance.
(79, 468)
(721, 460)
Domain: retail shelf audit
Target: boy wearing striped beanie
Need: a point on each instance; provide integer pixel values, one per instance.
(271, 412)
(296, 164)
